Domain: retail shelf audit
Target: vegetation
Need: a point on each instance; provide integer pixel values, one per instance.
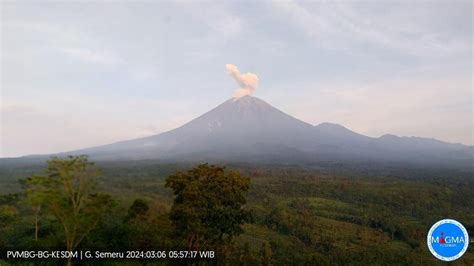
(301, 215)
(208, 206)
(66, 191)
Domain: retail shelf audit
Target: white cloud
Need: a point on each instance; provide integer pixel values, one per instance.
(218, 17)
(312, 24)
(142, 73)
(228, 25)
(112, 70)
(90, 56)
(35, 126)
(339, 25)
(425, 103)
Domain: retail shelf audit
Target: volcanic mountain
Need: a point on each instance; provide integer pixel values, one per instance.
(239, 127)
(249, 129)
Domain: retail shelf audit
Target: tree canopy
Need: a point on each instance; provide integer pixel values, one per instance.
(208, 206)
(67, 190)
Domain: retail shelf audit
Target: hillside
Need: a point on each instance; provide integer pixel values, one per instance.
(248, 129)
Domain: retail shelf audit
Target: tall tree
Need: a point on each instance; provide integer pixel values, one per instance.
(37, 193)
(208, 207)
(68, 190)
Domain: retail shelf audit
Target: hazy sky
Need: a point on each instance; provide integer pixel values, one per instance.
(76, 75)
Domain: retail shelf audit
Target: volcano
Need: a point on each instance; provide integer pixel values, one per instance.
(238, 128)
(249, 129)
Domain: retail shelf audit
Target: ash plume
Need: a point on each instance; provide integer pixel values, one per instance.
(247, 82)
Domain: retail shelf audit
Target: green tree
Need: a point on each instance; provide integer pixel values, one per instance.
(37, 193)
(208, 206)
(68, 190)
(139, 208)
(146, 226)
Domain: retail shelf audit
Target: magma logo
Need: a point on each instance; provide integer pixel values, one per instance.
(448, 240)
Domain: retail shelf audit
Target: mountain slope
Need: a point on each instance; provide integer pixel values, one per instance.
(240, 126)
(249, 129)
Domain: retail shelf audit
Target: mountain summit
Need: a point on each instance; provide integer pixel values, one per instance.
(238, 127)
(244, 116)
(249, 129)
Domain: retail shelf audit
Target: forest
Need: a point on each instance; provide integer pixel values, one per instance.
(248, 214)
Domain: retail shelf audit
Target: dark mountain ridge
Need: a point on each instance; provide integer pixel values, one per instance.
(249, 129)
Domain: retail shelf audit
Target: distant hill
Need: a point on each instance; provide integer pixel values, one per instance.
(249, 129)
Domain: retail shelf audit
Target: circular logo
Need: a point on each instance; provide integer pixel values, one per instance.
(447, 240)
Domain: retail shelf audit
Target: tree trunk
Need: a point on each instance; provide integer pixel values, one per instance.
(69, 246)
(37, 211)
(36, 228)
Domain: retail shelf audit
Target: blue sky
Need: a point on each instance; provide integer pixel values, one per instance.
(81, 74)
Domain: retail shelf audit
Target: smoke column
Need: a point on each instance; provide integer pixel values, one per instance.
(247, 82)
